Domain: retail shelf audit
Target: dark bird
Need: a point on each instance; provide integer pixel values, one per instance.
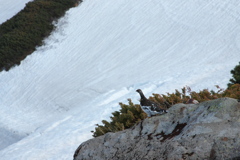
(149, 107)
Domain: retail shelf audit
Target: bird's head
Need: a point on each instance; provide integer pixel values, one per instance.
(139, 90)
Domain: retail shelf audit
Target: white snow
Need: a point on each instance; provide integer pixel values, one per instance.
(100, 53)
(10, 7)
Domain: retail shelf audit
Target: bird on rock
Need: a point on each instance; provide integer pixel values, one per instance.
(149, 107)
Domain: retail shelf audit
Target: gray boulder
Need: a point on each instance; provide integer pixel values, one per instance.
(208, 130)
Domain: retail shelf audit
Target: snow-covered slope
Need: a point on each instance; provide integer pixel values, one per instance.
(9, 8)
(100, 53)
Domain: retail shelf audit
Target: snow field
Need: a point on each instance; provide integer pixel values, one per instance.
(100, 53)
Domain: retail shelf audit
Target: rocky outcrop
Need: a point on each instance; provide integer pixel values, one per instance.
(208, 130)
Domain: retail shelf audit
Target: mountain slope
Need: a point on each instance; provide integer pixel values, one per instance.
(100, 53)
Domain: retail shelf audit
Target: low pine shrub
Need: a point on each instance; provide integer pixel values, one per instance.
(235, 76)
(125, 118)
(130, 113)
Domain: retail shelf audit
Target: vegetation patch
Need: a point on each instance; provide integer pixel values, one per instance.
(235, 76)
(20, 35)
(125, 118)
(130, 113)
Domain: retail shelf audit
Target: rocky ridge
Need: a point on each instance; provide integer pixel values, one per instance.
(208, 130)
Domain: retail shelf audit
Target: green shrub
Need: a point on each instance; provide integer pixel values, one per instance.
(236, 75)
(125, 118)
(130, 113)
(22, 33)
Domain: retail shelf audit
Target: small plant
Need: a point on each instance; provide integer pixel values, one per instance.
(184, 95)
(232, 92)
(125, 118)
(236, 75)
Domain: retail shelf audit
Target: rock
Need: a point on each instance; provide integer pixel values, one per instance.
(208, 130)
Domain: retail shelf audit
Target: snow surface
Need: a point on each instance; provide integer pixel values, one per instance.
(100, 53)
(8, 8)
